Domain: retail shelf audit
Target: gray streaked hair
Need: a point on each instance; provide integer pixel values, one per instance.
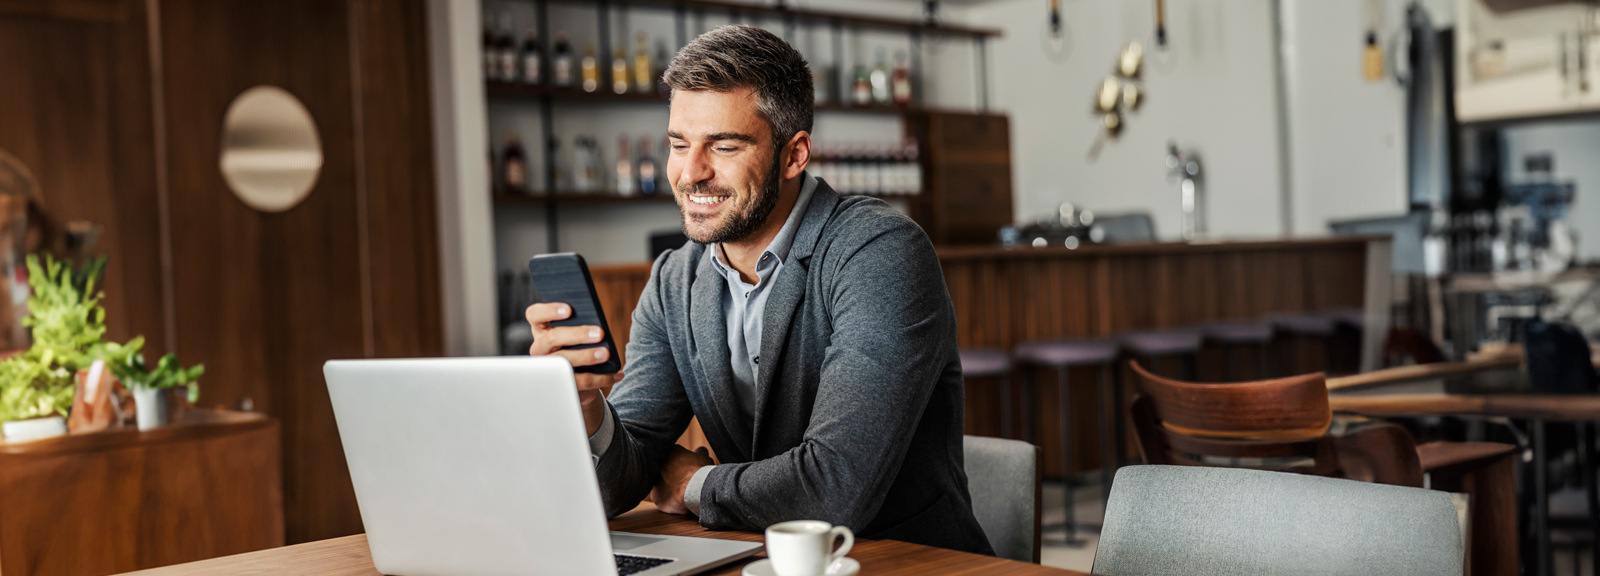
(736, 56)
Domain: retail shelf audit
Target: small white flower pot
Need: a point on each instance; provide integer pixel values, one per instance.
(150, 405)
(34, 428)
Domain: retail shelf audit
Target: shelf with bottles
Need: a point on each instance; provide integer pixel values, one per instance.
(535, 69)
(634, 174)
(873, 169)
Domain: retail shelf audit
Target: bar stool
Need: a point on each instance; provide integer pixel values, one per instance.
(1061, 355)
(1305, 326)
(1349, 323)
(1157, 345)
(1231, 336)
(986, 363)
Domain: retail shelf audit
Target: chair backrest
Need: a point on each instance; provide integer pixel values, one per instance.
(1205, 521)
(1268, 425)
(1286, 408)
(1004, 477)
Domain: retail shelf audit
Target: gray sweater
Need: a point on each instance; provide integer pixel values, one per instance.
(858, 417)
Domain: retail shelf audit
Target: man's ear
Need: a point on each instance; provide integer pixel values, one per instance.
(797, 154)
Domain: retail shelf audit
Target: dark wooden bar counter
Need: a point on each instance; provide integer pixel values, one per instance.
(1006, 296)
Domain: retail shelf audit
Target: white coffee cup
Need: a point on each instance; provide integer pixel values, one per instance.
(805, 547)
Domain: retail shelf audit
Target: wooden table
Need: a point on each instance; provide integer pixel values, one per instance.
(349, 556)
(118, 500)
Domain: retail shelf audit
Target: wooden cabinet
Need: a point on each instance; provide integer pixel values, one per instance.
(966, 176)
(122, 500)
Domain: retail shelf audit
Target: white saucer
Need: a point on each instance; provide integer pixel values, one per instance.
(842, 567)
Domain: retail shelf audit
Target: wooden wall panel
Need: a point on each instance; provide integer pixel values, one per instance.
(396, 182)
(265, 298)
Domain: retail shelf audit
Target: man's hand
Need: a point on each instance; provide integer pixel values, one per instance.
(680, 466)
(548, 340)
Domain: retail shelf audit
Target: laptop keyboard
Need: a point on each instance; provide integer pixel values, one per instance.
(635, 564)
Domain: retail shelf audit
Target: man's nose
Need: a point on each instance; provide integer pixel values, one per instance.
(696, 168)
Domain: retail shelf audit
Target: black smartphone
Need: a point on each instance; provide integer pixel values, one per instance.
(565, 278)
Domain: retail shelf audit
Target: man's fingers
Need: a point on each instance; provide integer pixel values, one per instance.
(585, 356)
(557, 338)
(547, 312)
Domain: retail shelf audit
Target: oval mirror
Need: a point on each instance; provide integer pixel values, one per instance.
(271, 154)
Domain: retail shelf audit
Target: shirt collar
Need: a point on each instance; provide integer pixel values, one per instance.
(780, 244)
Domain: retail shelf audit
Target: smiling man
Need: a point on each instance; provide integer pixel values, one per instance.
(811, 334)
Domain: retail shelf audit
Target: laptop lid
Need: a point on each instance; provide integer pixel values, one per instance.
(471, 466)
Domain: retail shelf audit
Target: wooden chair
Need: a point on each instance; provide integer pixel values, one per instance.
(1283, 425)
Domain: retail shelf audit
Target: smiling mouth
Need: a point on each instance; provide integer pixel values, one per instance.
(707, 200)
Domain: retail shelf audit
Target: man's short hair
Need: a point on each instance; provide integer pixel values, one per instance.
(734, 57)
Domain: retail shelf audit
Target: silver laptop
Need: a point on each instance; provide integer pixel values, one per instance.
(481, 467)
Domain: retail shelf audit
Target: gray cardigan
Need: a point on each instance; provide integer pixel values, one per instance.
(858, 418)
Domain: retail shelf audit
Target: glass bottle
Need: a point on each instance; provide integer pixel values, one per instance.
(561, 62)
(880, 81)
(515, 165)
(861, 88)
(647, 168)
(532, 57)
(508, 50)
(619, 69)
(901, 81)
(491, 55)
(591, 70)
(643, 81)
(625, 185)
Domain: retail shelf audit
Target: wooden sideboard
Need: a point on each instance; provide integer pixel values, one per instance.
(1004, 297)
(122, 500)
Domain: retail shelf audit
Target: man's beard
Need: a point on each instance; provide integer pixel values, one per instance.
(740, 224)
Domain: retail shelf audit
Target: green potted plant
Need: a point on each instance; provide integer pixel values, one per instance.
(153, 389)
(64, 314)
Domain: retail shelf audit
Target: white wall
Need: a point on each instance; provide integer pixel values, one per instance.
(466, 251)
(1212, 92)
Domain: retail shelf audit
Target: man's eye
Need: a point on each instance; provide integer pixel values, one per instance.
(726, 149)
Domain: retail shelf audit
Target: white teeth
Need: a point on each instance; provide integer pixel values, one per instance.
(707, 199)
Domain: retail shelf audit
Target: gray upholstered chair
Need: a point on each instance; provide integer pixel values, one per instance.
(1199, 521)
(1004, 476)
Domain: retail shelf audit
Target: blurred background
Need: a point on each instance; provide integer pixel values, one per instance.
(276, 184)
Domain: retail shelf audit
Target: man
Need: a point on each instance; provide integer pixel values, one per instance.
(811, 334)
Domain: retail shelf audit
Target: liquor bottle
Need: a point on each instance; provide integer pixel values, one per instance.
(643, 81)
(515, 165)
(647, 168)
(914, 165)
(590, 170)
(874, 168)
(591, 70)
(901, 82)
(880, 81)
(851, 167)
(532, 58)
(491, 55)
(861, 88)
(508, 50)
(625, 184)
(619, 69)
(561, 62)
